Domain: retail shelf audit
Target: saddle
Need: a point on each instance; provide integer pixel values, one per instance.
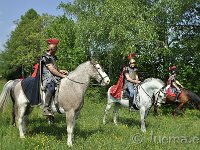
(170, 92)
(126, 96)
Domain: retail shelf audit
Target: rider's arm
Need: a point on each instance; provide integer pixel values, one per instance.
(136, 81)
(54, 71)
(178, 83)
(137, 77)
(175, 85)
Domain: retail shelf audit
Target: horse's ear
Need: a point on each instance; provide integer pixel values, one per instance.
(92, 60)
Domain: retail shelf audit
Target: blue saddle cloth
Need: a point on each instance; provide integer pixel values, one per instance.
(31, 88)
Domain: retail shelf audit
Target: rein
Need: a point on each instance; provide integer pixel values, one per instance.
(148, 94)
(74, 80)
(102, 78)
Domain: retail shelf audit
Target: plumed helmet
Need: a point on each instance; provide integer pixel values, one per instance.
(130, 56)
(132, 61)
(53, 41)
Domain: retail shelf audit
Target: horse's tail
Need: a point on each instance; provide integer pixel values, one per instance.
(5, 93)
(195, 99)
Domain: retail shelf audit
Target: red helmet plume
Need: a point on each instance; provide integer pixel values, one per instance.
(131, 55)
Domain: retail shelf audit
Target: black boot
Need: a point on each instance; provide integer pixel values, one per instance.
(177, 95)
(131, 108)
(47, 109)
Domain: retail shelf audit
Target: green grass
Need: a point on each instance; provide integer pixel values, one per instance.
(163, 132)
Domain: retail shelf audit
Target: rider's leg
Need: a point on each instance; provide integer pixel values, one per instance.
(132, 93)
(48, 97)
(178, 93)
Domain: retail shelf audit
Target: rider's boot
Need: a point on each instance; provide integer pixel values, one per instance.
(131, 108)
(177, 95)
(47, 109)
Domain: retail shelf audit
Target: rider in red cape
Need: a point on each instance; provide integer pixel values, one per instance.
(174, 84)
(128, 77)
(116, 90)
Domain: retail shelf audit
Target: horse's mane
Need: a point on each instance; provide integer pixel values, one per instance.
(150, 79)
(77, 68)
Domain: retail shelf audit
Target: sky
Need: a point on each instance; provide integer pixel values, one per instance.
(12, 10)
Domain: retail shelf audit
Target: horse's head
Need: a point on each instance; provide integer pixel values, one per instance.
(160, 96)
(156, 86)
(99, 74)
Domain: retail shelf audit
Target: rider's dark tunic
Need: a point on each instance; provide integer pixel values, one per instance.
(49, 80)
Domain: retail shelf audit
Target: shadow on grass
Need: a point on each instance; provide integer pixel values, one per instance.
(130, 122)
(58, 129)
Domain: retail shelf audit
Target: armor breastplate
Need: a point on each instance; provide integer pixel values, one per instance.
(132, 74)
(47, 76)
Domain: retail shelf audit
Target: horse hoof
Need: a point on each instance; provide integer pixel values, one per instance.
(22, 137)
(69, 144)
(104, 122)
(144, 130)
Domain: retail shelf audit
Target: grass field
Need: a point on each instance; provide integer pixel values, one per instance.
(163, 132)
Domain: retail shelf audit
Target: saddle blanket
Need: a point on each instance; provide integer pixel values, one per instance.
(31, 89)
(170, 93)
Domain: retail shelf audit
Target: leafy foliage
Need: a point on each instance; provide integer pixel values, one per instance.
(162, 33)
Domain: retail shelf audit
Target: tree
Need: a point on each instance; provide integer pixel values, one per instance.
(23, 46)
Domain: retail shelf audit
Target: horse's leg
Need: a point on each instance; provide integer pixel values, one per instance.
(177, 109)
(115, 113)
(70, 118)
(25, 117)
(146, 113)
(183, 109)
(51, 120)
(21, 120)
(155, 108)
(13, 113)
(108, 106)
(13, 106)
(142, 117)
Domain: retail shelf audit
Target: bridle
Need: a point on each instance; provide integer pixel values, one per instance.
(102, 78)
(94, 65)
(158, 92)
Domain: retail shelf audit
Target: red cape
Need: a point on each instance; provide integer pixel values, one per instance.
(116, 90)
(35, 70)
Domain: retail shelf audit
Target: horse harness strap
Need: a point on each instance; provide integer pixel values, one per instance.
(102, 78)
(149, 95)
(74, 80)
(145, 92)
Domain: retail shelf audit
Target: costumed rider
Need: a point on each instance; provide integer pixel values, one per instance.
(131, 80)
(51, 75)
(174, 84)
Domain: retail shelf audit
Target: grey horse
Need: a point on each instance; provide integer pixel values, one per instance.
(144, 99)
(70, 96)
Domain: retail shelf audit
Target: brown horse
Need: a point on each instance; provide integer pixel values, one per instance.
(185, 98)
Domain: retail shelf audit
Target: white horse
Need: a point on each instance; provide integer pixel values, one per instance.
(70, 96)
(150, 91)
